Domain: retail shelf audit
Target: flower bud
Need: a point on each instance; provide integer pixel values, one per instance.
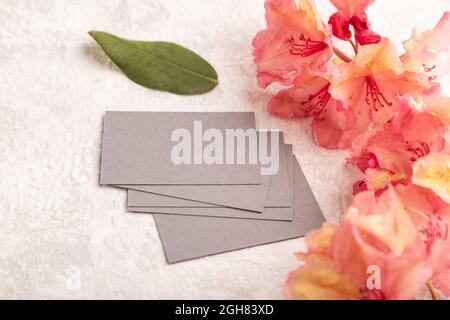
(341, 26)
(360, 22)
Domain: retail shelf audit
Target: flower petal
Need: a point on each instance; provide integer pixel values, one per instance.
(433, 172)
(319, 280)
(389, 221)
(372, 60)
(377, 179)
(303, 99)
(273, 60)
(294, 17)
(405, 277)
(421, 126)
(283, 105)
(319, 241)
(440, 107)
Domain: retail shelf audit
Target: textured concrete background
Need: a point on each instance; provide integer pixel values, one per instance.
(64, 236)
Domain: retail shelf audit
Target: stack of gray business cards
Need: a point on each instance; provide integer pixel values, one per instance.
(211, 180)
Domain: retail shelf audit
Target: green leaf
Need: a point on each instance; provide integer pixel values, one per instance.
(159, 65)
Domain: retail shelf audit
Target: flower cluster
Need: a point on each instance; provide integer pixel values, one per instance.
(387, 110)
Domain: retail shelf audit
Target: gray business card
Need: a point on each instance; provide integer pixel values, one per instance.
(169, 148)
(152, 203)
(252, 198)
(188, 237)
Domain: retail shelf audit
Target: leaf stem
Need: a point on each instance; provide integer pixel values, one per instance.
(341, 55)
(433, 292)
(354, 45)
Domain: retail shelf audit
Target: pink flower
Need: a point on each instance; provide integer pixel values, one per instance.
(433, 172)
(386, 155)
(319, 278)
(310, 97)
(398, 233)
(295, 38)
(440, 107)
(352, 12)
(369, 85)
(388, 110)
(429, 51)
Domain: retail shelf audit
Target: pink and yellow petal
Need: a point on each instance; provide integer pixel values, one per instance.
(441, 281)
(319, 241)
(378, 58)
(433, 172)
(377, 179)
(309, 7)
(440, 107)
(319, 280)
(293, 18)
(389, 222)
(353, 254)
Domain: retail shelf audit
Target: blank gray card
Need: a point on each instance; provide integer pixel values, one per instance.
(138, 148)
(152, 203)
(188, 237)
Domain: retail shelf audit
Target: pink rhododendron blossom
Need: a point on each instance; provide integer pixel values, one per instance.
(353, 13)
(386, 155)
(387, 109)
(295, 37)
(370, 84)
(398, 232)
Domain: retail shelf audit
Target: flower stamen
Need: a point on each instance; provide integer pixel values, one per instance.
(306, 47)
(316, 103)
(374, 97)
(428, 69)
(418, 150)
(437, 229)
